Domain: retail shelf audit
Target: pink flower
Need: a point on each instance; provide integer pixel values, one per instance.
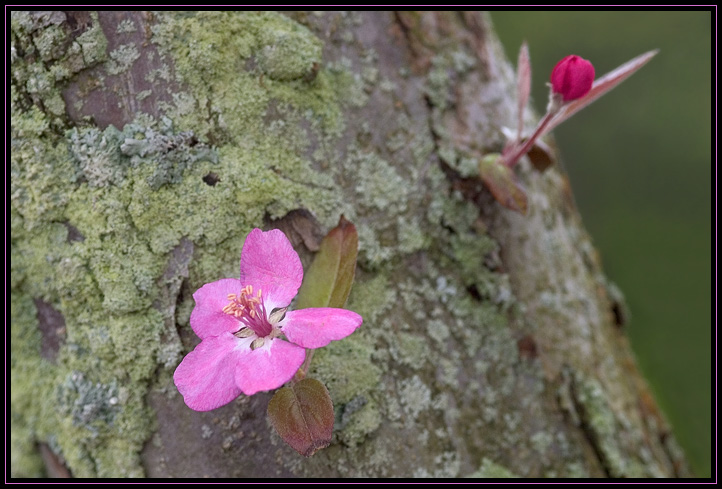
(572, 77)
(241, 324)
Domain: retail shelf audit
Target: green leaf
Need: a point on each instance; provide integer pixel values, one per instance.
(501, 181)
(302, 414)
(328, 281)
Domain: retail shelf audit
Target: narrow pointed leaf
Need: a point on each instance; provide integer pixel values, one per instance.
(523, 85)
(500, 180)
(601, 86)
(302, 415)
(329, 278)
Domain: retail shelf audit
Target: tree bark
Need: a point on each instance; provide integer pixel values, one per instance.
(145, 146)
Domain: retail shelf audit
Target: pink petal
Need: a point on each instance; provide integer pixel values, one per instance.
(317, 327)
(208, 318)
(269, 262)
(206, 376)
(268, 367)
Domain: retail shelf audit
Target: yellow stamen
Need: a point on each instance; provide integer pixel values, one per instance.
(245, 303)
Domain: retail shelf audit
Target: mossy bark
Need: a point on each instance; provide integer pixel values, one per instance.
(145, 146)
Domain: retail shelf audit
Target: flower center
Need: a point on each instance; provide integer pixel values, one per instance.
(249, 310)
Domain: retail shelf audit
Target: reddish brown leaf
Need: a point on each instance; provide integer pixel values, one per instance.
(501, 181)
(328, 281)
(302, 414)
(541, 155)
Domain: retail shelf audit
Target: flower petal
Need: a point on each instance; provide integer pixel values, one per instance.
(268, 367)
(206, 376)
(269, 262)
(208, 318)
(317, 327)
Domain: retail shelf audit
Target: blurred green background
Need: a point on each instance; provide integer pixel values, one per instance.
(640, 164)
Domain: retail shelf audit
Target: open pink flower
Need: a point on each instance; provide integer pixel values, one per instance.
(240, 323)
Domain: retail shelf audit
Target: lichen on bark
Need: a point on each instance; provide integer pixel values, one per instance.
(229, 121)
(131, 194)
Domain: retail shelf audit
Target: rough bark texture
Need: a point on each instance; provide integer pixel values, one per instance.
(146, 146)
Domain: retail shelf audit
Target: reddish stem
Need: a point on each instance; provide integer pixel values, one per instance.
(511, 160)
(301, 373)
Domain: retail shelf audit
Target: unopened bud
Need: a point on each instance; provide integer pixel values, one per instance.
(572, 77)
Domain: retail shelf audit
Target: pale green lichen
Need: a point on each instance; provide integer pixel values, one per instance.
(415, 397)
(447, 68)
(412, 350)
(125, 26)
(490, 470)
(410, 236)
(49, 42)
(541, 441)
(26, 369)
(143, 94)
(131, 194)
(358, 422)
(97, 155)
(234, 100)
(356, 375)
(289, 52)
(122, 58)
(51, 54)
(604, 427)
(379, 187)
(92, 44)
(575, 470)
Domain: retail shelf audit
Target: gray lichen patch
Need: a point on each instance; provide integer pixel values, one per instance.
(87, 402)
(122, 58)
(607, 433)
(97, 156)
(103, 158)
(415, 397)
(126, 26)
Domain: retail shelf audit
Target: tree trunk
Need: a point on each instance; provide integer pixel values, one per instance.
(146, 146)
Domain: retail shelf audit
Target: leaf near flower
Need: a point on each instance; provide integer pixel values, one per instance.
(329, 278)
(302, 415)
(501, 181)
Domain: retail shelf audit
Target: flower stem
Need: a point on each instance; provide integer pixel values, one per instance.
(301, 373)
(512, 159)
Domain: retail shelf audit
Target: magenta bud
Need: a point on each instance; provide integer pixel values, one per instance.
(572, 77)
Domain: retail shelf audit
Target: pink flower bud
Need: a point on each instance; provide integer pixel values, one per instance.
(572, 77)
